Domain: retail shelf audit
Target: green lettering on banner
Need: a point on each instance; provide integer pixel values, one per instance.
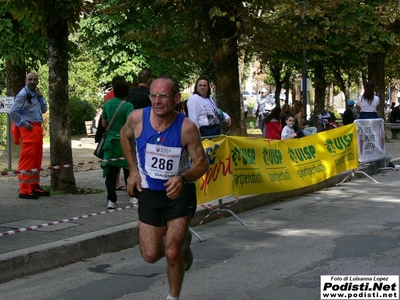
(347, 157)
(302, 154)
(242, 179)
(245, 156)
(310, 171)
(339, 143)
(279, 177)
(272, 156)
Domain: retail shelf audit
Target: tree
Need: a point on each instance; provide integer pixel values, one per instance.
(179, 47)
(54, 17)
(354, 37)
(340, 36)
(60, 127)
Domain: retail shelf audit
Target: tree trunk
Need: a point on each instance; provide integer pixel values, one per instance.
(15, 78)
(329, 96)
(394, 90)
(226, 73)
(228, 89)
(276, 70)
(320, 88)
(60, 128)
(340, 80)
(376, 73)
(287, 85)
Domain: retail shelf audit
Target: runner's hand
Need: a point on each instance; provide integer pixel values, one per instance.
(174, 187)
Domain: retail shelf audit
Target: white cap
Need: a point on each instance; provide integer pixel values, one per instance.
(263, 91)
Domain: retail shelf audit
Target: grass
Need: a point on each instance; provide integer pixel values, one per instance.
(251, 121)
(80, 191)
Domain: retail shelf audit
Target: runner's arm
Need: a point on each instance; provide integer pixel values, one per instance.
(191, 139)
(128, 132)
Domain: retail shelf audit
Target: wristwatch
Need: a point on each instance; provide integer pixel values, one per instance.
(183, 179)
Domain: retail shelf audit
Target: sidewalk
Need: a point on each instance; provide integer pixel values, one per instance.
(86, 227)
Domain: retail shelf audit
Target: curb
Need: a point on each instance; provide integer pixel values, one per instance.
(49, 256)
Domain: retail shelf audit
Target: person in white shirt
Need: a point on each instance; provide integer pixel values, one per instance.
(368, 103)
(204, 112)
(262, 104)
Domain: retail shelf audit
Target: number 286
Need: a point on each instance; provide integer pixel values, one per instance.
(162, 164)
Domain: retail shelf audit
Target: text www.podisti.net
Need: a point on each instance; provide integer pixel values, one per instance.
(359, 287)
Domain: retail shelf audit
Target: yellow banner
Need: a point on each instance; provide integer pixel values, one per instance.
(217, 182)
(246, 166)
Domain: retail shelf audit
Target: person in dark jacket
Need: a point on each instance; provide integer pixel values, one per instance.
(394, 118)
(139, 96)
(350, 114)
(395, 113)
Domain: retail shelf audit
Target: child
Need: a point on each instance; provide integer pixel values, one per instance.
(288, 131)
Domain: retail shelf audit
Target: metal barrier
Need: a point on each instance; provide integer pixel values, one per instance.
(371, 146)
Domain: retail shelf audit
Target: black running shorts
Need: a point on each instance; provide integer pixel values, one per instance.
(156, 209)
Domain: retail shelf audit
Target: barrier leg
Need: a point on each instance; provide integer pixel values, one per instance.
(347, 177)
(221, 209)
(196, 234)
(357, 171)
(366, 175)
(386, 167)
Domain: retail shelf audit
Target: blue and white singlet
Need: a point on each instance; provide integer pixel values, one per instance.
(160, 155)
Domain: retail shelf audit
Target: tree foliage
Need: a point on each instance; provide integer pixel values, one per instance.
(18, 39)
(123, 40)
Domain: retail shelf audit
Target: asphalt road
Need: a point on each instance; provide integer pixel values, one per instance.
(353, 228)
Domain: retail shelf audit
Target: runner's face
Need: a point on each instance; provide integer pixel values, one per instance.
(162, 105)
(32, 81)
(202, 88)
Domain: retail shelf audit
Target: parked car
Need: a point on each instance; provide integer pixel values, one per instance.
(246, 94)
(249, 95)
(272, 97)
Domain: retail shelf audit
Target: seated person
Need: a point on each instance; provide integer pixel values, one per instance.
(285, 111)
(350, 114)
(395, 113)
(273, 127)
(394, 118)
(299, 118)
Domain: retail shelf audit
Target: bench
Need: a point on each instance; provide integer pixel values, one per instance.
(394, 128)
(88, 125)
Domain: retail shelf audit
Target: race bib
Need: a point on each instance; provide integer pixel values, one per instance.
(162, 162)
